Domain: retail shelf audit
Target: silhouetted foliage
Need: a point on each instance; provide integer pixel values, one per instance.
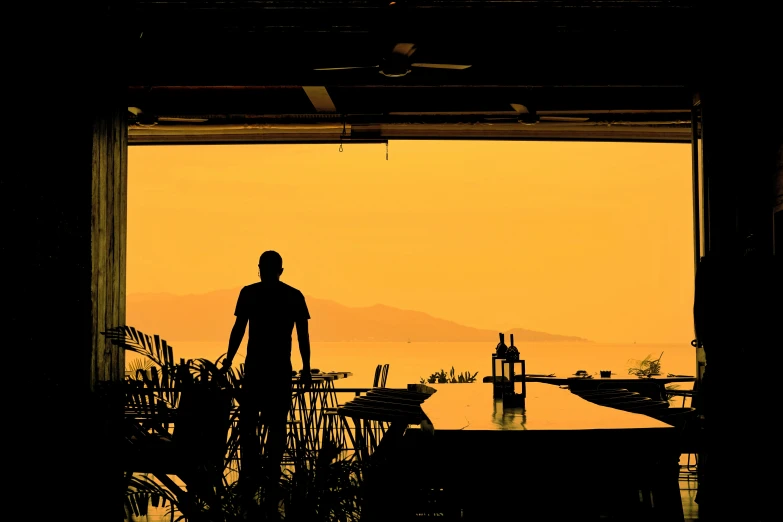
(321, 487)
(451, 377)
(647, 367)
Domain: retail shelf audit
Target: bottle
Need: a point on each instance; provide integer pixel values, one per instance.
(512, 354)
(501, 348)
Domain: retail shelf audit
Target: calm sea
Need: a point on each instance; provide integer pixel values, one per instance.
(409, 362)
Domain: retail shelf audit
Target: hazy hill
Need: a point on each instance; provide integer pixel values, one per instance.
(210, 316)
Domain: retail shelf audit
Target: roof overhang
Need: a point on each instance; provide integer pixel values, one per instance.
(246, 72)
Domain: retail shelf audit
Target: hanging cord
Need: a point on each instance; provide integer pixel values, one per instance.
(341, 137)
(387, 150)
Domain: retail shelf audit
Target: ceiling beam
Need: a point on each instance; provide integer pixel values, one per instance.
(336, 132)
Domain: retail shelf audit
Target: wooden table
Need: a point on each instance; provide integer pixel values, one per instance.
(559, 458)
(653, 387)
(660, 379)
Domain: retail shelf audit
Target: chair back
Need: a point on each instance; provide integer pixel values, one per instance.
(688, 424)
(381, 372)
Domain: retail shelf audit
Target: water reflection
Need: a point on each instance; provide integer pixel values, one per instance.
(508, 418)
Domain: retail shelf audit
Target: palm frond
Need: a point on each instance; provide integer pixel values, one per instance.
(152, 347)
(138, 365)
(142, 492)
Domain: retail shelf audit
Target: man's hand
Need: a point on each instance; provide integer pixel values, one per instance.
(226, 365)
(306, 379)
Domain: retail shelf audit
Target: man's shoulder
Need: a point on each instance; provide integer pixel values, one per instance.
(250, 288)
(278, 288)
(291, 289)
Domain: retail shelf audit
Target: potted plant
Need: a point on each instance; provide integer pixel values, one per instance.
(647, 367)
(181, 420)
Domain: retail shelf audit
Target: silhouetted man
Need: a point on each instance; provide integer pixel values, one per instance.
(272, 308)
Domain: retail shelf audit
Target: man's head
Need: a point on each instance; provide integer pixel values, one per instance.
(270, 266)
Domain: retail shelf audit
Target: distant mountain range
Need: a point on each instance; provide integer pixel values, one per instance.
(210, 316)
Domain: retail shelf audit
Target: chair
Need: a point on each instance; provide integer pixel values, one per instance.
(693, 395)
(335, 425)
(689, 426)
(381, 372)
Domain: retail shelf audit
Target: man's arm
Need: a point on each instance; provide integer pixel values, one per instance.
(303, 334)
(235, 339)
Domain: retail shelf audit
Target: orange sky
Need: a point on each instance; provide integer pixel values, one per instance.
(586, 239)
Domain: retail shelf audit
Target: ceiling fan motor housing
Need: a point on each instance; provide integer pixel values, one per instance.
(395, 66)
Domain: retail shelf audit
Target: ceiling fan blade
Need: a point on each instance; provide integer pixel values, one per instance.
(346, 68)
(405, 49)
(440, 66)
(564, 119)
(519, 108)
(182, 120)
(493, 115)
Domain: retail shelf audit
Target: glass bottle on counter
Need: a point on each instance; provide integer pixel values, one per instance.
(497, 366)
(512, 353)
(501, 348)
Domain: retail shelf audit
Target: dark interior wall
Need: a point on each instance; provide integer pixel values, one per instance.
(738, 296)
(778, 219)
(741, 150)
(63, 62)
(49, 307)
(736, 60)
(66, 91)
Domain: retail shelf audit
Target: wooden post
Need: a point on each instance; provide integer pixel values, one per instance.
(108, 232)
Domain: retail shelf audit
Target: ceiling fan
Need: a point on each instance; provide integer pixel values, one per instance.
(399, 63)
(530, 117)
(146, 119)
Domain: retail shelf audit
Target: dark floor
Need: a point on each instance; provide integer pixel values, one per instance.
(688, 487)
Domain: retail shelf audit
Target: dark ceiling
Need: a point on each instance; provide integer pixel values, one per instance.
(204, 71)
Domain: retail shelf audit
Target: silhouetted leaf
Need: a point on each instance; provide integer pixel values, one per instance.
(168, 353)
(158, 352)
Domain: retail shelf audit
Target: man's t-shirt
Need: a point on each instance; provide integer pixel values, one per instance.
(272, 310)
